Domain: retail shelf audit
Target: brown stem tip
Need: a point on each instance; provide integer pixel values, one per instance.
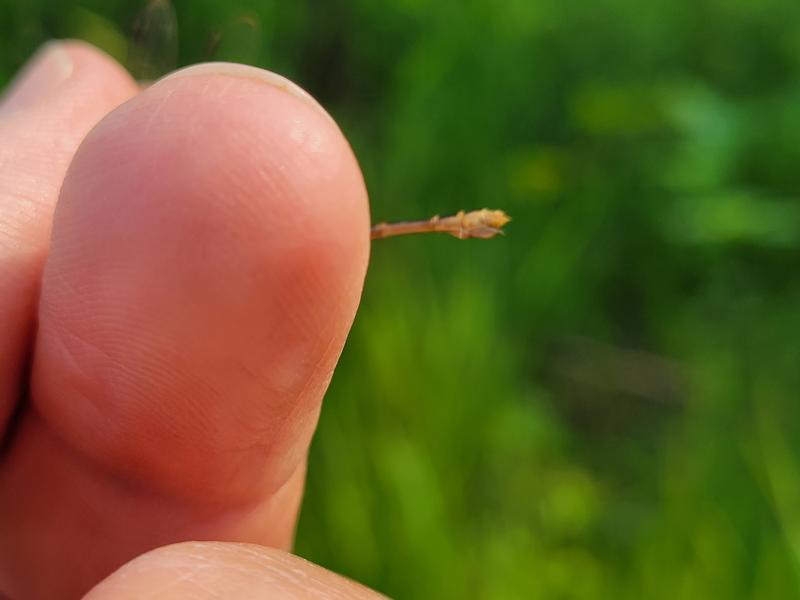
(483, 224)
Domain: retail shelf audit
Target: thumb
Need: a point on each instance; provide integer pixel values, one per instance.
(208, 254)
(207, 257)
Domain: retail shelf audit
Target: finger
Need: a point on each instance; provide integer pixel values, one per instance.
(63, 91)
(40, 78)
(216, 570)
(208, 254)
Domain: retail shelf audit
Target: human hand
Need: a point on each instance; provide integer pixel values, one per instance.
(163, 354)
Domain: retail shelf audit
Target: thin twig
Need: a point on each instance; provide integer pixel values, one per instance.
(483, 224)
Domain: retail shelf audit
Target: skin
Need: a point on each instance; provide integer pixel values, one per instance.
(179, 268)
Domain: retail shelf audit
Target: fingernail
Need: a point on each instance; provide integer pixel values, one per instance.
(40, 77)
(255, 73)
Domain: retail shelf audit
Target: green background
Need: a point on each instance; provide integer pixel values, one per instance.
(603, 403)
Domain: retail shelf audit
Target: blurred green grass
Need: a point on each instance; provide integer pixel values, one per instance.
(602, 404)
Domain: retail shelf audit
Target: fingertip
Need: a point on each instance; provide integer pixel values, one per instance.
(228, 157)
(58, 68)
(214, 569)
(226, 127)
